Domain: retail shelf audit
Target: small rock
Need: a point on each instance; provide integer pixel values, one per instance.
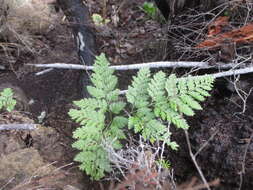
(70, 187)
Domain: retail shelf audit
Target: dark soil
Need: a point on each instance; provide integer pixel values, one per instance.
(228, 155)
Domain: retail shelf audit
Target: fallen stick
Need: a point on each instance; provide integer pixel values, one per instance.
(165, 64)
(233, 72)
(202, 65)
(44, 71)
(24, 126)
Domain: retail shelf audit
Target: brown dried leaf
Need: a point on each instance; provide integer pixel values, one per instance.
(240, 35)
(216, 27)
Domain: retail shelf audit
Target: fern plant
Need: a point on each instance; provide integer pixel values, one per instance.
(154, 102)
(100, 119)
(6, 100)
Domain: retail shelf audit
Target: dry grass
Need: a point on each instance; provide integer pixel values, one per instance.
(140, 171)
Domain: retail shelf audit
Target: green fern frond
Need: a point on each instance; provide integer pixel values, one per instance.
(138, 96)
(103, 79)
(167, 114)
(116, 128)
(137, 93)
(91, 104)
(94, 161)
(156, 88)
(95, 127)
(199, 86)
(188, 100)
(135, 123)
(117, 107)
(153, 130)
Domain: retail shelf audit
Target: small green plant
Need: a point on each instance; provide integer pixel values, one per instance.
(99, 20)
(150, 9)
(153, 103)
(6, 100)
(163, 163)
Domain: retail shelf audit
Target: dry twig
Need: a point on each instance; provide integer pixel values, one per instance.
(193, 157)
(243, 161)
(164, 64)
(24, 126)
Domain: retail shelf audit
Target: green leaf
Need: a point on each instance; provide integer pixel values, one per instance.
(113, 95)
(96, 92)
(157, 86)
(149, 8)
(6, 100)
(117, 107)
(202, 92)
(197, 96)
(116, 128)
(191, 102)
(137, 93)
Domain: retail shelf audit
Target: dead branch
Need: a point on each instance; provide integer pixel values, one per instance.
(24, 126)
(201, 65)
(165, 64)
(233, 72)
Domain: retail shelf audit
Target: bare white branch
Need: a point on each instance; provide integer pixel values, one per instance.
(15, 126)
(233, 72)
(165, 64)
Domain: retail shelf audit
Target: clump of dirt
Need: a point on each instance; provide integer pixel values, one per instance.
(22, 19)
(30, 159)
(22, 25)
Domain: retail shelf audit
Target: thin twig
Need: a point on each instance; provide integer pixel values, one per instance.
(206, 143)
(195, 162)
(243, 161)
(242, 94)
(24, 126)
(44, 71)
(8, 182)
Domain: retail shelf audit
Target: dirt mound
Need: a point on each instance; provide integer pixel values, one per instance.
(32, 159)
(25, 17)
